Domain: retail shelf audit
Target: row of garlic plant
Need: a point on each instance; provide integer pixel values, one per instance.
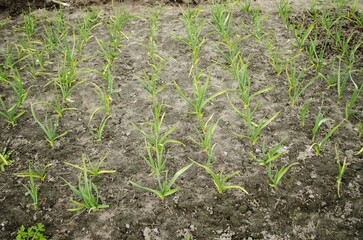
(246, 108)
(337, 71)
(157, 140)
(193, 24)
(68, 80)
(34, 56)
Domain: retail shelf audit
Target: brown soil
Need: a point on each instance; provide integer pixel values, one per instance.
(305, 206)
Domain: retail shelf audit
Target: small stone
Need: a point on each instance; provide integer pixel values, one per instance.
(313, 175)
(311, 196)
(258, 150)
(127, 226)
(243, 208)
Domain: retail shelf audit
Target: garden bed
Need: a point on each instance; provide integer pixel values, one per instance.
(305, 204)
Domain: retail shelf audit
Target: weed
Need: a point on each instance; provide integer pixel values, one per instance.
(35, 232)
(221, 181)
(188, 237)
(49, 127)
(94, 169)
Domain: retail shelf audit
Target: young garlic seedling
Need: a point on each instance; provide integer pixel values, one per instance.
(165, 185)
(49, 126)
(5, 158)
(222, 21)
(267, 157)
(87, 191)
(32, 190)
(93, 169)
(341, 169)
(303, 112)
(274, 180)
(319, 145)
(221, 181)
(35, 172)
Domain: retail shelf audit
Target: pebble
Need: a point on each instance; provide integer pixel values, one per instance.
(313, 175)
